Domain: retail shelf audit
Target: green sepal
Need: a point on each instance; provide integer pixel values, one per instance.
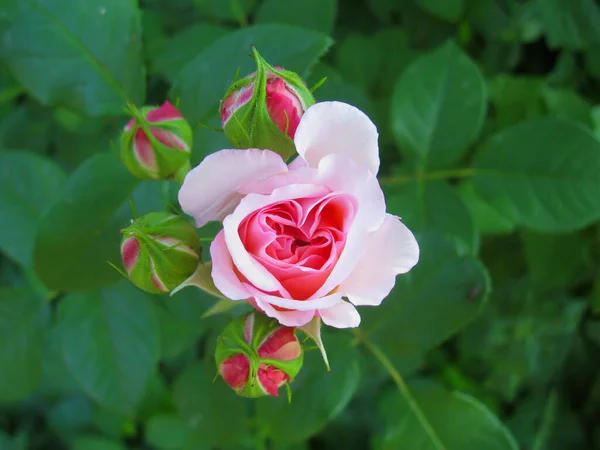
(170, 262)
(251, 126)
(232, 342)
(168, 160)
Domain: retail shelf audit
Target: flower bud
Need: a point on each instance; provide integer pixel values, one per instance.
(256, 355)
(156, 142)
(264, 109)
(160, 251)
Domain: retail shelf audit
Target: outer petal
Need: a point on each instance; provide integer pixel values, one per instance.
(341, 315)
(391, 250)
(335, 127)
(341, 174)
(223, 275)
(296, 305)
(287, 318)
(209, 191)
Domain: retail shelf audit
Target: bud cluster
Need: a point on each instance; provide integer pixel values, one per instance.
(256, 355)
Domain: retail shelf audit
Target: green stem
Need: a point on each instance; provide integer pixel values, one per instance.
(437, 175)
(402, 387)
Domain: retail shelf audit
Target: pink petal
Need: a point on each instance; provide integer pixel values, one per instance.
(209, 191)
(235, 371)
(271, 235)
(235, 101)
(271, 379)
(284, 106)
(130, 251)
(289, 304)
(337, 128)
(391, 250)
(341, 315)
(165, 112)
(297, 163)
(287, 318)
(343, 174)
(223, 273)
(248, 326)
(143, 151)
(169, 139)
(247, 264)
(156, 281)
(281, 345)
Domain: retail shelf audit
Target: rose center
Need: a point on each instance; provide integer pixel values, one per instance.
(299, 241)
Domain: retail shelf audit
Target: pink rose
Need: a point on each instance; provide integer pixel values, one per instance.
(298, 239)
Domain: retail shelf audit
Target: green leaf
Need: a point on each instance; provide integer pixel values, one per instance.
(336, 88)
(231, 10)
(82, 55)
(514, 99)
(28, 184)
(568, 104)
(78, 137)
(82, 226)
(214, 411)
(438, 106)
(455, 287)
(56, 380)
(487, 219)
(542, 174)
(201, 86)
(558, 260)
(184, 46)
(318, 396)
(70, 414)
(181, 320)
(166, 432)
(435, 419)
(110, 343)
(523, 337)
(23, 319)
(96, 443)
(572, 24)
(435, 206)
(450, 10)
(301, 13)
(28, 126)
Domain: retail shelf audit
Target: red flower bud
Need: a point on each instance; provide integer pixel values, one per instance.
(160, 251)
(264, 109)
(156, 142)
(256, 355)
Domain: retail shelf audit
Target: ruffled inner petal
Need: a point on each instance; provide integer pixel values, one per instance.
(299, 241)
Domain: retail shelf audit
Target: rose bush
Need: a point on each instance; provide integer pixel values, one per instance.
(297, 239)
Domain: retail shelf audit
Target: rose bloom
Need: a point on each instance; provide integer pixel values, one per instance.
(298, 239)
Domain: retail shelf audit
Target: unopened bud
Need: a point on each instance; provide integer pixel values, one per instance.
(160, 251)
(264, 109)
(256, 355)
(156, 143)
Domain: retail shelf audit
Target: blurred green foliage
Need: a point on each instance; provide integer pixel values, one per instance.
(489, 125)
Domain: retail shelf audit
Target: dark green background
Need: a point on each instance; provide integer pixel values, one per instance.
(489, 144)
